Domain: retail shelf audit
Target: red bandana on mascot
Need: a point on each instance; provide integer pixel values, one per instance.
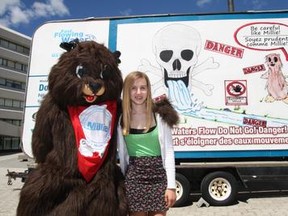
(93, 127)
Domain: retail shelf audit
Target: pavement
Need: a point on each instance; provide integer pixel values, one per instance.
(9, 194)
(250, 203)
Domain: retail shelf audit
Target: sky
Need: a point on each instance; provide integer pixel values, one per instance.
(25, 16)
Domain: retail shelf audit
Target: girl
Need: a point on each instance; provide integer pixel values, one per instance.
(145, 148)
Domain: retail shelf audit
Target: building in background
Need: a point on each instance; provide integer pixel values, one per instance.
(14, 58)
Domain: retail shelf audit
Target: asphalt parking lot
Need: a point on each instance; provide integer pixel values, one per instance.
(250, 203)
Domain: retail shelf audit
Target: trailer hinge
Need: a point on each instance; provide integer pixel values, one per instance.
(202, 202)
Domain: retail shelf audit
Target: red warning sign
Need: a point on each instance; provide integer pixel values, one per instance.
(236, 92)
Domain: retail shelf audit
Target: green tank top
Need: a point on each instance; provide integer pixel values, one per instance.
(143, 144)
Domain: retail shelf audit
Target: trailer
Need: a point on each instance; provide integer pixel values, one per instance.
(225, 74)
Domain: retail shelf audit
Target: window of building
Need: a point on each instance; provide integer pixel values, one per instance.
(15, 143)
(2, 81)
(12, 121)
(14, 65)
(2, 102)
(16, 85)
(18, 66)
(9, 83)
(4, 62)
(20, 49)
(26, 51)
(25, 68)
(4, 43)
(11, 64)
(12, 84)
(9, 103)
(10, 143)
(14, 47)
(16, 103)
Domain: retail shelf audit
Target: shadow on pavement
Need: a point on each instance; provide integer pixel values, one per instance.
(243, 196)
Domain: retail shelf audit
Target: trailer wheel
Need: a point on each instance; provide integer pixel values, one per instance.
(219, 188)
(182, 190)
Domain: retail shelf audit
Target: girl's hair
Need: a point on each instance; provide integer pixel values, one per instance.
(127, 105)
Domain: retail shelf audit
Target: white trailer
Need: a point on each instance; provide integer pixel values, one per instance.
(226, 74)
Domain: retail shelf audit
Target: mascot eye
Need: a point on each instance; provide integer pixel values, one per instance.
(80, 71)
(105, 73)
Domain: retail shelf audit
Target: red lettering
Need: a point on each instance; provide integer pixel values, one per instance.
(254, 122)
(253, 69)
(224, 48)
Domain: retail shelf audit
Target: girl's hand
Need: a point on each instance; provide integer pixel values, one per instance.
(170, 197)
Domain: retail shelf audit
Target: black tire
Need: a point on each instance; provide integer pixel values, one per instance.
(219, 188)
(182, 190)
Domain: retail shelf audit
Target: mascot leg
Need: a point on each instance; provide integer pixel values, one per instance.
(37, 196)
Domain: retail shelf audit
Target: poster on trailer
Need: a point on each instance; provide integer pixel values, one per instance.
(225, 74)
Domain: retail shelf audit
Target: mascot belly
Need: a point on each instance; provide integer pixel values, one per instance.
(74, 139)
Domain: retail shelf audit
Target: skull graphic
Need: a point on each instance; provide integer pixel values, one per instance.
(177, 48)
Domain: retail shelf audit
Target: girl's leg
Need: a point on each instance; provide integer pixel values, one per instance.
(138, 214)
(159, 213)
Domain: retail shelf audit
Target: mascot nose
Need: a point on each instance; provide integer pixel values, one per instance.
(95, 87)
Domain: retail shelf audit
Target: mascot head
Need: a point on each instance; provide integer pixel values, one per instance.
(87, 73)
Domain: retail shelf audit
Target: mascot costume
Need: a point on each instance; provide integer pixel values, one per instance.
(74, 139)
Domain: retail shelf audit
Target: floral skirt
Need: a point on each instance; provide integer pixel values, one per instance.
(146, 183)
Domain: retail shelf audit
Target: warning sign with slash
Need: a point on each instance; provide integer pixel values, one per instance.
(236, 92)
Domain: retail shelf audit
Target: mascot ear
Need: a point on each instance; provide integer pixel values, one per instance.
(68, 46)
(117, 55)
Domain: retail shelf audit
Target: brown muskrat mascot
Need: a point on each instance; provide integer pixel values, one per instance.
(74, 139)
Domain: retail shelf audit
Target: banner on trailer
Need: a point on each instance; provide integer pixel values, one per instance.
(226, 74)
